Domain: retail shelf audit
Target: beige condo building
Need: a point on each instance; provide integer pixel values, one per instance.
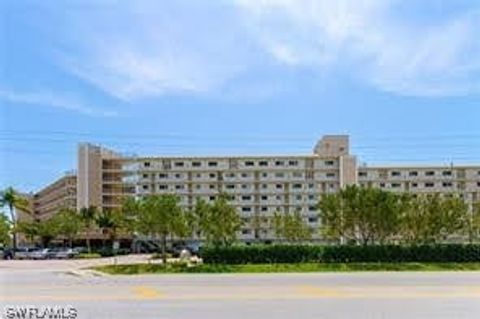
(257, 185)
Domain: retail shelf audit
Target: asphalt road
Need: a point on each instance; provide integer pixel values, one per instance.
(344, 295)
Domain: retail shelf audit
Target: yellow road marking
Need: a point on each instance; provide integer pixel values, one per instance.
(144, 292)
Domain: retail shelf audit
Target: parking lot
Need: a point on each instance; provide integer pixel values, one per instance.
(66, 283)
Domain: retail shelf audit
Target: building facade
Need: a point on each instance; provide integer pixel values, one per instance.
(62, 193)
(257, 185)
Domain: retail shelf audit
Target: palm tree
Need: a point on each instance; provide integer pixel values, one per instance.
(88, 215)
(10, 198)
(106, 223)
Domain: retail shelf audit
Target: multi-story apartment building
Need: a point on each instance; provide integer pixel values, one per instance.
(463, 180)
(62, 193)
(257, 185)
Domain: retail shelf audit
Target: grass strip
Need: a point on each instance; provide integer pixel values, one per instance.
(133, 269)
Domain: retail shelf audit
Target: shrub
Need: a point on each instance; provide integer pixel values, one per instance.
(259, 254)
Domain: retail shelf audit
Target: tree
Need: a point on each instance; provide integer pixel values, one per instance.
(130, 210)
(161, 216)
(44, 230)
(69, 224)
(29, 229)
(88, 215)
(361, 215)
(47, 230)
(291, 226)
(111, 222)
(10, 198)
(218, 222)
(433, 218)
(5, 230)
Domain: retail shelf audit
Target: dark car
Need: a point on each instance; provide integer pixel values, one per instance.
(6, 253)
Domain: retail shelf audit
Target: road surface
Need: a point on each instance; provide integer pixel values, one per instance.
(62, 284)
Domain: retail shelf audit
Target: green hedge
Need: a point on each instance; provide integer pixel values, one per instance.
(260, 254)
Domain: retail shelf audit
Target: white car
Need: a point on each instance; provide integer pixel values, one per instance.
(39, 254)
(65, 253)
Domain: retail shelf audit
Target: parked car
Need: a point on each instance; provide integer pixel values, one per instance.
(40, 254)
(6, 253)
(24, 252)
(65, 253)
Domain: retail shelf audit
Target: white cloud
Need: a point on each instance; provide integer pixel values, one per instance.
(147, 49)
(55, 100)
(370, 41)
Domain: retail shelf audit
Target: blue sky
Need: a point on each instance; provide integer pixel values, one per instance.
(236, 77)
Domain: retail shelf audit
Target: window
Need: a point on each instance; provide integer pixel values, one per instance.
(311, 197)
(162, 175)
(429, 173)
(362, 174)
(146, 164)
(145, 175)
(264, 186)
(447, 173)
(198, 186)
(179, 186)
(211, 175)
(429, 184)
(264, 174)
(211, 186)
(212, 164)
(279, 163)
(278, 197)
(279, 186)
(329, 163)
(264, 197)
(230, 186)
(178, 175)
(246, 209)
(478, 184)
(249, 163)
(211, 198)
(382, 184)
(447, 184)
(312, 219)
(246, 231)
(196, 164)
(264, 209)
(145, 187)
(263, 163)
(297, 186)
(162, 186)
(413, 173)
(244, 186)
(330, 174)
(231, 175)
(297, 174)
(244, 175)
(414, 184)
(280, 175)
(246, 197)
(178, 164)
(298, 197)
(396, 185)
(395, 173)
(293, 163)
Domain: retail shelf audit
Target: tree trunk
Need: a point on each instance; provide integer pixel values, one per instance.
(14, 232)
(70, 242)
(88, 241)
(164, 250)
